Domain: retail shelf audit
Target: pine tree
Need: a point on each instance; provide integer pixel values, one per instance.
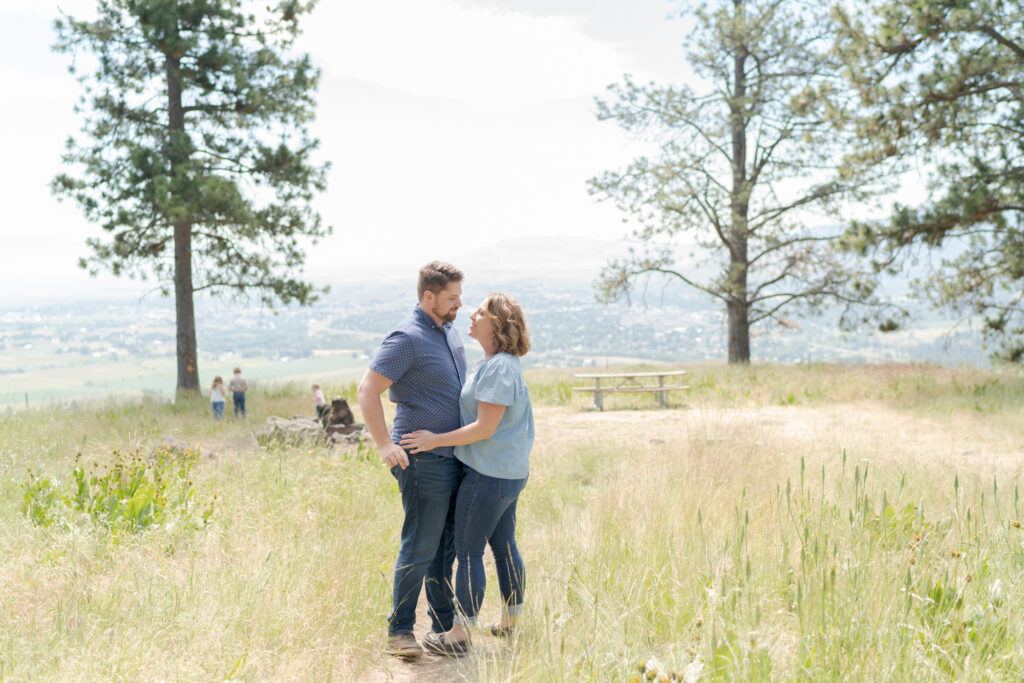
(941, 86)
(195, 157)
(746, 171)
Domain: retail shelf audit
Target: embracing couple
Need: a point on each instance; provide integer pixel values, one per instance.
(460, 449)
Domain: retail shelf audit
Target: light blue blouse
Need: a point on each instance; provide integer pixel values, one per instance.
(506, 455)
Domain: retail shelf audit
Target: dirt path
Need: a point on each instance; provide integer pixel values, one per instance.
(964, 442)
(432, 668)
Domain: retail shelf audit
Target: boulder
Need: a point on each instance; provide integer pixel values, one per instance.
(352, 434)
(294, 430)
(300, 429)
(344, 429)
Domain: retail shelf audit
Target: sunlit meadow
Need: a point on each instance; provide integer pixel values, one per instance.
(774, 523)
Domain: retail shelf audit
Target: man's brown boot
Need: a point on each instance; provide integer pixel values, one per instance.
(403, 645)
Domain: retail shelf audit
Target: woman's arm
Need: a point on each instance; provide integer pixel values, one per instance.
(488, 417)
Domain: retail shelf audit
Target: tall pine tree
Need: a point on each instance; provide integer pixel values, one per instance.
(746, 172)
(941, 86)
(195, 156)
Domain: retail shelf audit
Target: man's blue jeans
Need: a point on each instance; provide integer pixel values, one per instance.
(485, 514)
(428, 485)
(238, 398)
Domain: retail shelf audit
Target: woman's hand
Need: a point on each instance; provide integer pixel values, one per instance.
(419, 441)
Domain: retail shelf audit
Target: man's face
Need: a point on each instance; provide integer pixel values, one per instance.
(445, 305)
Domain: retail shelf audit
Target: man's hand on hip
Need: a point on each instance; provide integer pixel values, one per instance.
(392, 454)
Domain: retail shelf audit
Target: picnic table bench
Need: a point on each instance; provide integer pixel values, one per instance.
(631, 382)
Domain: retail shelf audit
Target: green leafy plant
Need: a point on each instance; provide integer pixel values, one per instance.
(128, 493)
(38, 500)
(366, 451)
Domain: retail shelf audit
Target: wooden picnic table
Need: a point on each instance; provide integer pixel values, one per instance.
(631, 382)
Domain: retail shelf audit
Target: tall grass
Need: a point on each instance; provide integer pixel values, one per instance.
(868, 529)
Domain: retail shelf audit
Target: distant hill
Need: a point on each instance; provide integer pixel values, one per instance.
(554, 258)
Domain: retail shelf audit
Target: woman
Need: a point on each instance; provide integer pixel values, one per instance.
(494, 445)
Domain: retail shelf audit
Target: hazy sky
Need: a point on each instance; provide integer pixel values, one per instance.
(450, 124)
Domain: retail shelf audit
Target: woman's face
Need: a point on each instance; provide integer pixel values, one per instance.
(481, 327)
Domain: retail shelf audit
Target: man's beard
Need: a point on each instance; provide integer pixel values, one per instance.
(448, 317)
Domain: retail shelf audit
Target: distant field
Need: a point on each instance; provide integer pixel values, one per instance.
(51, 377)
(776, 522)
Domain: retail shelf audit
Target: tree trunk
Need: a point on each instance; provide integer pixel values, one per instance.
(739, 332)
(188, 365)
(737, 305)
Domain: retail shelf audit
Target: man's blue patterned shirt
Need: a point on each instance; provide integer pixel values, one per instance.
(427, 366)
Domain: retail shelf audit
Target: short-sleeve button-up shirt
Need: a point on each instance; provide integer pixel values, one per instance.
(426, 364)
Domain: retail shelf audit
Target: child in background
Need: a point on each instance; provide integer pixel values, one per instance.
(318, 399)
(238, 387)
(217, 397)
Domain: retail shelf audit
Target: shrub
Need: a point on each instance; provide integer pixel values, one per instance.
(129, 493)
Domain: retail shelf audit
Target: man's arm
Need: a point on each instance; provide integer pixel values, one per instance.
(370, 388)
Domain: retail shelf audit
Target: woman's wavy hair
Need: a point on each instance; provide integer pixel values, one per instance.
(511, 335)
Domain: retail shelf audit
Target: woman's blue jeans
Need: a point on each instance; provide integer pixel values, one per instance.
(218, 409)
(485, 514)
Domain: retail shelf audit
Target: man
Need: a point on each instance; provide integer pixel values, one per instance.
(422, 364)
(238, 387)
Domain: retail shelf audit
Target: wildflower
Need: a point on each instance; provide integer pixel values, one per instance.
(1016, 524)
(694, 670)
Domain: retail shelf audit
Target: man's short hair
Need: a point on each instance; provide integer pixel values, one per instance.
(435, 277)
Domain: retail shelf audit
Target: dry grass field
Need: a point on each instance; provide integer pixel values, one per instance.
(774, 523)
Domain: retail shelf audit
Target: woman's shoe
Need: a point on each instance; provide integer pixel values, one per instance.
(502, 631)
(439, 644)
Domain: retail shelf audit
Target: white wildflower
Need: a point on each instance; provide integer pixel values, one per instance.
(693, 670)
